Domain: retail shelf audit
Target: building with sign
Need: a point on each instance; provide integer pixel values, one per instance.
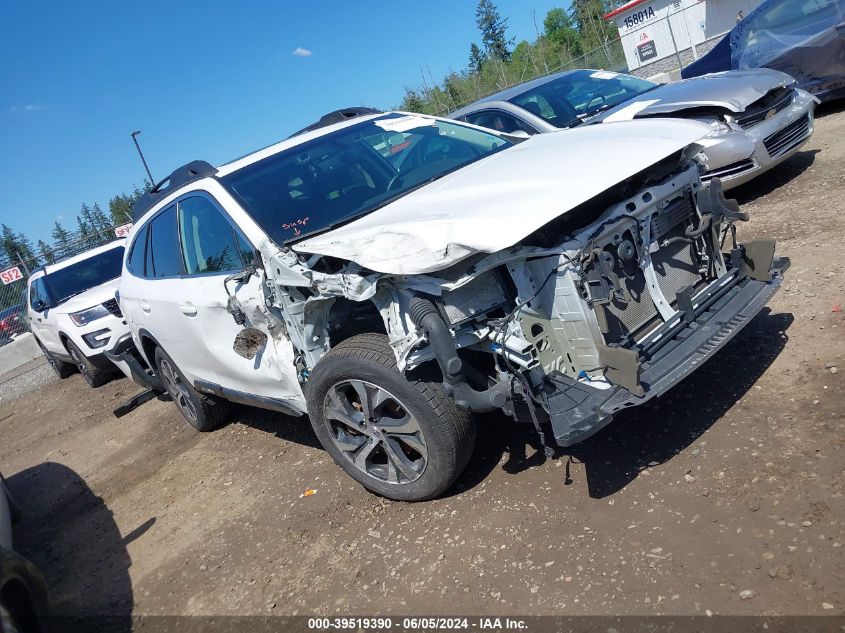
(661, 35)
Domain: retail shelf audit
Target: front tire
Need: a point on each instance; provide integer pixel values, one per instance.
(400, 437)
(60, 368)
(203, 412)
(94, 376)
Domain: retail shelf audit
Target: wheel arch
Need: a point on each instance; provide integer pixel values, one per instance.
(149, 343)
(347, 318)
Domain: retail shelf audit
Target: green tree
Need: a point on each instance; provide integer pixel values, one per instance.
(61, 238)
(120, 208)
(26, 250)
(413, 102)
(593, 29)
(47, 255)
(493, 30)
(476, 58)
(9, 243)
(85, 231)
(101, 220)
(560, 32)
(16, 247)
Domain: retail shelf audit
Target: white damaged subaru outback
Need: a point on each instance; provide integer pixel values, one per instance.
(391, 274)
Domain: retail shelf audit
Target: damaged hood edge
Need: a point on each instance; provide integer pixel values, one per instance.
(494, 203)
(733, 90)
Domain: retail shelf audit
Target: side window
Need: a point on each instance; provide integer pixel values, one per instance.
(163, 256)
(245, 248)
(38, 291)
(208, 239)
(135, 263)
(499, 121)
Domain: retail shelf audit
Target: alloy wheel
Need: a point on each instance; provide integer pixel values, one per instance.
(375, 431)
(178, 390)
(80, 363)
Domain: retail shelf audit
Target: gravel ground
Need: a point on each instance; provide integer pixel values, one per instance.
(28, 378)
(725, 496)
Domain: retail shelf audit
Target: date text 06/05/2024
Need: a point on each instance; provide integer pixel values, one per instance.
(417, 623)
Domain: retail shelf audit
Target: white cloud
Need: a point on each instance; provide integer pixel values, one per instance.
(30, 107)
(60, 217)
(302, 52)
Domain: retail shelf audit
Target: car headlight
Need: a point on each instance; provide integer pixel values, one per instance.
(717, 128)
(84, 317)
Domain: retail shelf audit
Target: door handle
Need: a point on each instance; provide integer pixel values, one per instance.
(145, 306)
(188, 309)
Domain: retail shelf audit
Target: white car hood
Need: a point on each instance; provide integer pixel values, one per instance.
(90, 298)
(494, 203)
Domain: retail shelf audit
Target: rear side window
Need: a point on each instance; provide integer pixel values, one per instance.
(135, 263)
(209, 242)
(163, 256)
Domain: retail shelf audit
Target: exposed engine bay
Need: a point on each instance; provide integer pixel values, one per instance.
(603, 308)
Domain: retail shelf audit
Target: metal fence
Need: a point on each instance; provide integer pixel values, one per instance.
(15, 270)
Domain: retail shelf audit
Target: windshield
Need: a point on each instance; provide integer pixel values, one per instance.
(349, 173)
(67, 282)
(566, 101)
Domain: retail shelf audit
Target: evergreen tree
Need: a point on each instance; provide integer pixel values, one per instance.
(9, 244)
(120, 208)
(62, 239)
(493, 31)
(101, 220)
(16, 247)
(476, 58)
(47, 255)
(24, 247)
(413, 102)
(85, 236)
(560, 32)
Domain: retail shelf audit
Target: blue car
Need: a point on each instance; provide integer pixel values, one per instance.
(803, 38)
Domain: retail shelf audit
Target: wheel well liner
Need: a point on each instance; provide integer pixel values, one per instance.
(348, 318)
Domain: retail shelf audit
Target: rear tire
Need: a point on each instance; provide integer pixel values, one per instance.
(399, 436)
(93, 375)
(60, 368)
(203, 412)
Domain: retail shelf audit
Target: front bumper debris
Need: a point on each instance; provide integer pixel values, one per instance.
(578, 410)
(124, 356)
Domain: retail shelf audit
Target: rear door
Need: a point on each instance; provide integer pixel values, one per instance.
(150, 293)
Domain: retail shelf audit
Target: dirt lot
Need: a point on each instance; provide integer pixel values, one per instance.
(725, 496)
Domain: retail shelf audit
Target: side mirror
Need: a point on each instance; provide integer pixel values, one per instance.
(38, 305)
(517, 136)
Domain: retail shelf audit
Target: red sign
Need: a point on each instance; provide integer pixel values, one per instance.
(11, 275)
(122, 230)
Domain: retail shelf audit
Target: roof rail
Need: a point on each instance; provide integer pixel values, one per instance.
(337, 116)
(181, 176)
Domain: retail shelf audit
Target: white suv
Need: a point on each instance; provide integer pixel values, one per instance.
(390, 274)
(74, 315)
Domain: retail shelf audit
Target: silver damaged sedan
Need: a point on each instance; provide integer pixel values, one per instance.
(759, 118)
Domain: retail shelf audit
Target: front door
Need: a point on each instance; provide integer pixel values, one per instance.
(39, 323)
(212, 249)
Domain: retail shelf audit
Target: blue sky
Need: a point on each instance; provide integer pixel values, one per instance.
(202, 80)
